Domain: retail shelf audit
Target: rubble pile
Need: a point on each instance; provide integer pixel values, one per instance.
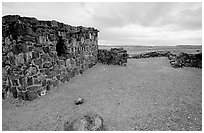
(115, 56)
(37, 55)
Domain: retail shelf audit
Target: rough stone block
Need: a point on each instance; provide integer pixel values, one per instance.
(28, 57)
(58, 77)
(21, 88)
(42, 71)
(30, 49)
(19, 29)
(37, 62)
(22, 95)
(15, 82)
(33, 70)
(68, 77)
(37, 81)
(13, 90)
(47, 65)
(42, 91)
(44, 83)
(49, 82)
(56, 67)
(30, 96)
(48, 87)
(29, 81)
(46, 49)
(38, 49)
(47, 71)
(5, 31)
(72, 74)
(35, 55)
(52, 48)
(63, 79)
(19, 59)
(47, 59)
(43, 56)
(81, 71)
(41, 39)
(6, 49)
(33, 88)
(12, 61)
(28, 37)
(17, 49)
(55, 83)
(33, 21)
(7, 41)
(68, 63)
(22, 81)
(53, 55)
(10, 18)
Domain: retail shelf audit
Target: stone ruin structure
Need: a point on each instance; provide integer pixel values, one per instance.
(177, 61)
(37, 55)
(186, 60)
(115, 56)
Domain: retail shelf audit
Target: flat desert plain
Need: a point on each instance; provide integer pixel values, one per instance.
(147, 94)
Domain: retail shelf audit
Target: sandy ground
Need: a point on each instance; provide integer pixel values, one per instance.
(147, 94)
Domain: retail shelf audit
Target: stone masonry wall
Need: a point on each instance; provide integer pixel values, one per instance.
(115, 56)
(37, 55)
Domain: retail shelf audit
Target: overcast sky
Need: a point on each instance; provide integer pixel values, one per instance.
(123, 23)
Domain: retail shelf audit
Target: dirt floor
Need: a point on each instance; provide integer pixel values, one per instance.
(147, 94)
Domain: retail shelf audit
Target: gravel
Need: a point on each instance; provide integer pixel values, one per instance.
(147, 94)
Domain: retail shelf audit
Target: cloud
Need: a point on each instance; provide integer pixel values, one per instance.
(158, 23)
(123, 23)
(147, 14)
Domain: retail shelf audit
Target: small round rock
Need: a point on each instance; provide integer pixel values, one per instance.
(79, 101)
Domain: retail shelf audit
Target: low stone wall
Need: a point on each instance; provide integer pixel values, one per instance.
(116, 56)
(37, 55)
(186, 60)
(181, 60)
(151, 54)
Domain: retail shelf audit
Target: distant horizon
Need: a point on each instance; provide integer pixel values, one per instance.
(151, 45)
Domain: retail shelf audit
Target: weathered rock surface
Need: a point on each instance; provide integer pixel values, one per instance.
(88, 122)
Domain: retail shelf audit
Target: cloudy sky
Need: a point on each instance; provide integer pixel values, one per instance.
(123, 23)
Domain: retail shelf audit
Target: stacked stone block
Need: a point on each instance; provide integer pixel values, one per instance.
(37, 55)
